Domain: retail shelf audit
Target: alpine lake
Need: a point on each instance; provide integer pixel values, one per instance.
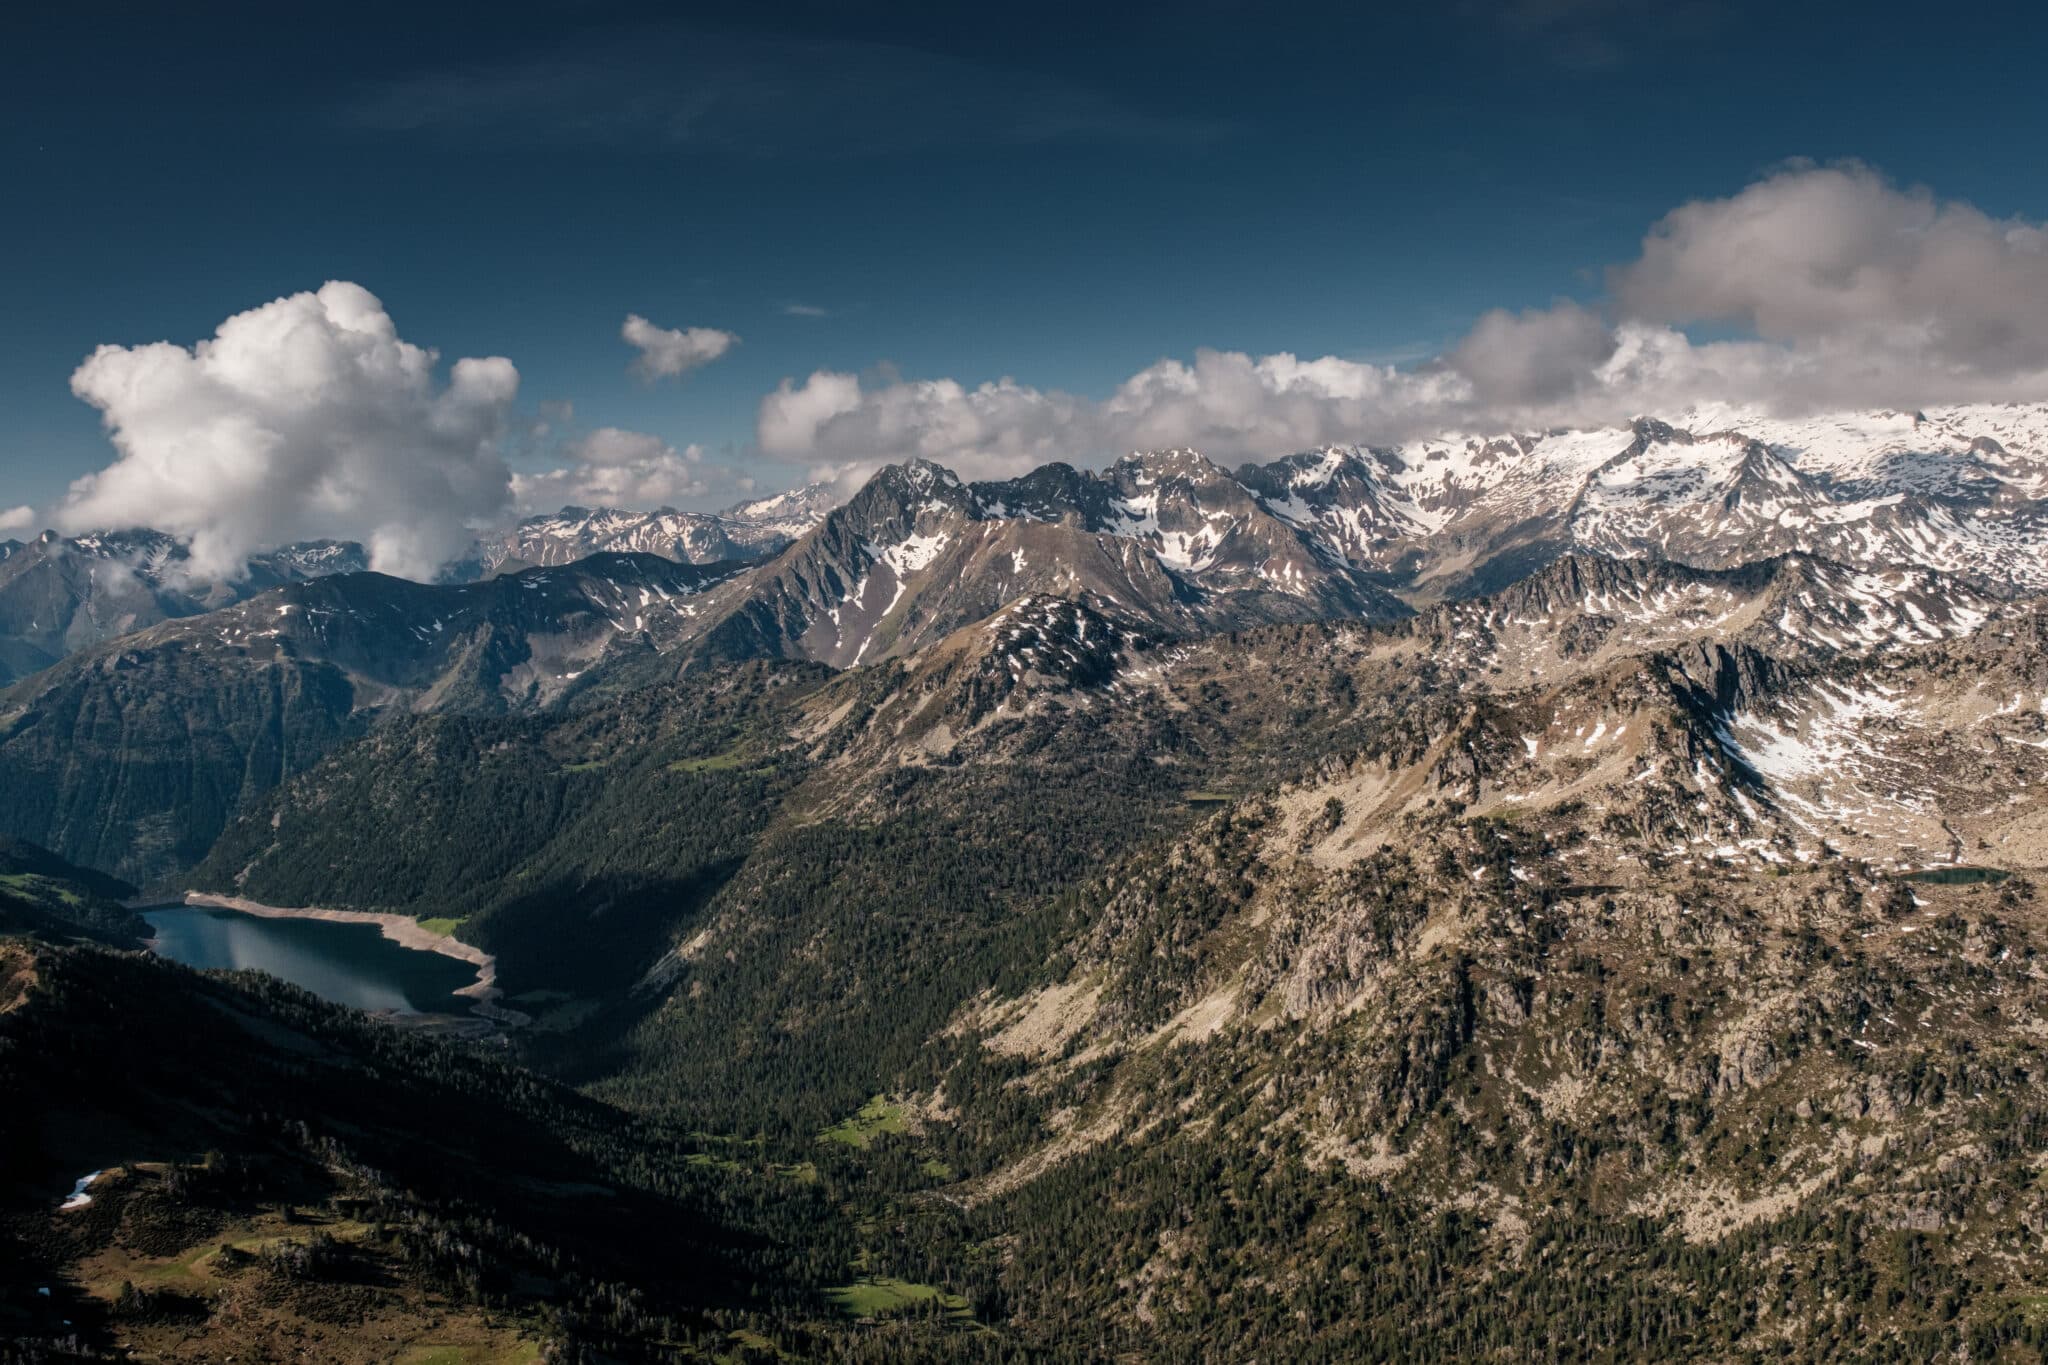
(349, 964)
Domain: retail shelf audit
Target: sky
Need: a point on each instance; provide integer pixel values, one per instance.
(383, 270)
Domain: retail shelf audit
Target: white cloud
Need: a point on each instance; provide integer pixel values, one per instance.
(17, 518)
(615, 468)
(1225, 402)
(668, 352)
(305, 417)
(1231, 404)
(805, 310)
(1853, 293)
(1537, 356)
(1837, 255)
(790, 418)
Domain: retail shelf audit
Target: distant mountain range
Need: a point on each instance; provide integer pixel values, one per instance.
(1958, 490)
(60, 594)
(1346, 530)
(1175, 542)
(750, 530)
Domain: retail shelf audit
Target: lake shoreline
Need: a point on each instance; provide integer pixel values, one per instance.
(403, 930)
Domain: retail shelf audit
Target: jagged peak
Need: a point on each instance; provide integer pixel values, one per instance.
(908, 486)
(919, 472)
(810, 499)
(1181, 462)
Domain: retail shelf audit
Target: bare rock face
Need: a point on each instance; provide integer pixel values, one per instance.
(1169, 541)
(754, 529)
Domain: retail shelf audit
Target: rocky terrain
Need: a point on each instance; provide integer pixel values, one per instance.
(1957, 490)
(748, 530)
(1568, 897)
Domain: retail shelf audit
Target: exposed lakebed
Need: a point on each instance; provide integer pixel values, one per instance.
(348, 962)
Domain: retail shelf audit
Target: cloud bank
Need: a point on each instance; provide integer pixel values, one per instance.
(306, 417)
(1848, 292)
(1837, 260)
(615, 468)
(669, 352)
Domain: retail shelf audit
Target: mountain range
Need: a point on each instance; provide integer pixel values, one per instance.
(59, 594)
(749, 530)
(1560, 896)
(1341, 531)
(1173, 540)
(1162, 546)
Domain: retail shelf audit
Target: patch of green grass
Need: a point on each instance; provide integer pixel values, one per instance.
(936, 1169)
(590, 767)
(1208, 798)
(28, 883)
(443, 925)
(870, 1297)
(753, 1345)
(720, 1163)
(517, 1354)
(803, 1172)
(876, 1117)
(715, 763)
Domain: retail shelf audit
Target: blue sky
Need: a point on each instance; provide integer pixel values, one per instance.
(1060, 194)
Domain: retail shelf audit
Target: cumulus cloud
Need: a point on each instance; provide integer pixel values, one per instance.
(1233, 404)
(615, 468)
(791, 417)
(1537, 356)
(308, 416)
(1839, 256)
(17, 518)
(668, 352)
(1844, 290)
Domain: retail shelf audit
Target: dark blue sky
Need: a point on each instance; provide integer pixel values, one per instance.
(1063, 194)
